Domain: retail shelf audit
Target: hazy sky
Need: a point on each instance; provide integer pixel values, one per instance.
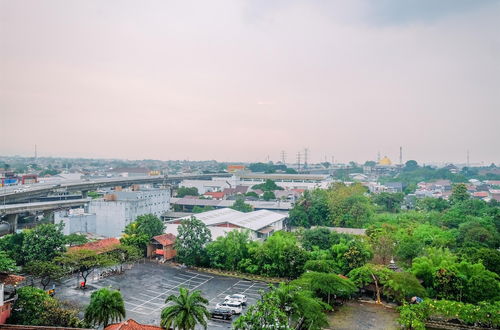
(242, 80)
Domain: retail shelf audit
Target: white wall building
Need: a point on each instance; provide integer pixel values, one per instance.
(117, 210)
(260, 224)
(76, 221)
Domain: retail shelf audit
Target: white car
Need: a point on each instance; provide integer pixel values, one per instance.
(237, 297)
(234, 306)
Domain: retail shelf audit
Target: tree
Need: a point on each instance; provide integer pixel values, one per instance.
(187, 191)
(45, 271)
(199, 209)
(6, 264)
(390, 202)
(106, 306)
(125, 253)
(43, 243)
(12, 245)
(280, 256)
(320, 237)
(402, 286)
(240, 205)
(348, 205)
(269, 185)
(191, 239)
(149, 225)
(84, 262)
(370, 273)
(268, 195)
(352, 254)
(459, 193)
(265, 314)
(34, 306)
(75, 239)
(326, 285)
(411, 165)
(187, 310)
(226, 252)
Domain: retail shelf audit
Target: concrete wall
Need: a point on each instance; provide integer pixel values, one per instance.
(82, 223)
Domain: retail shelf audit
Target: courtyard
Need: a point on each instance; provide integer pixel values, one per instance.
(146, 286)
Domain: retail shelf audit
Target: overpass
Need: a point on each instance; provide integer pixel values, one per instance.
(40, 189)
(11, 211)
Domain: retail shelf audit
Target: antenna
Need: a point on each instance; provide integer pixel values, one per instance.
(378, 157)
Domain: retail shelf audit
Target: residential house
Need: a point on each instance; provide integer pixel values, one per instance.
(162, 246)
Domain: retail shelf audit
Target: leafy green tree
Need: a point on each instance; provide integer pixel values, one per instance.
(106, 306)
(84, 262)
(411, 165)
(125, 254)
(408, 248)
(326, 286)
(280, 256)
(12, 245)
(34, 306)
(402, 286)
(268, 195)
(265, 314)
(75, 239)
(187, 191)
(322, 266)
(320, 237)
(252, 194)
(311, 209)
(433, 204)
(490, 258)
(226, 252)
(300, 306)
(149, 225)
(368, 274)
(192, 237)
(348, 205)
(269, 185)
(459, 193)
(43, 243)
(199, 209)
(351, 254)
(6, 264)
(390, 202)
(186, 311)
(45, 271)
(240, 205)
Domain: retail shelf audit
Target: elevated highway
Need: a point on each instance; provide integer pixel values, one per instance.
(10, 195)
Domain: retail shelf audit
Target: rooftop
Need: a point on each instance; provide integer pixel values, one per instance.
(131, 324)
(165, 239)
(101, 246)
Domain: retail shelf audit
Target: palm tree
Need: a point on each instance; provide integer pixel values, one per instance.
(106, 306)
(187, 310)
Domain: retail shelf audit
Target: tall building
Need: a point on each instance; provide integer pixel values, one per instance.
(115, 211)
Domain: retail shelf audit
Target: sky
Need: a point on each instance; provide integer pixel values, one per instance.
(244, 80)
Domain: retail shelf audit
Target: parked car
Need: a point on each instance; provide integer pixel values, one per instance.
(237, 297)
(234, 306)
(222, 313)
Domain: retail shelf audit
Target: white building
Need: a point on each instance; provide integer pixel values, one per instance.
(76, 221)
(287, 181)
(117, 210)
(260, 224)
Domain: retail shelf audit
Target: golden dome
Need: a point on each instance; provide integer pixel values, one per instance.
(385, 161)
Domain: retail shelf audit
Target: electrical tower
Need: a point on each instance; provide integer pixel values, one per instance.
(298, 161)
(401, 155)
(283, 157)
(306, 151)
(35, 154)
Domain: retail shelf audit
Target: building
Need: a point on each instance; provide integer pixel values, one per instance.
(235, 168)
(76, 221)
(129, 171)
(130, 324)
(100, 246)
(118, 209)
(8, 282)
(187, 204)
(260, 224)
(162, 246)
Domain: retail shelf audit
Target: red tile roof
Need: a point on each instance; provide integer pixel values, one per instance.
(215, 194)
(480, 194)
(165, 239)
(10, 279)
(131, 325)
(101, 246)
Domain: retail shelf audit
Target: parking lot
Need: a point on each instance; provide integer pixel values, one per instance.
(146, 286)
